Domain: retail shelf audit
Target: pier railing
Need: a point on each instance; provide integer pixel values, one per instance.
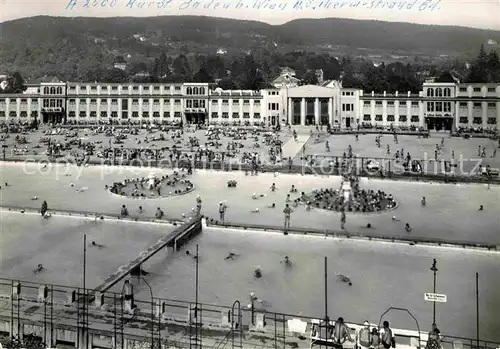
(46, 311)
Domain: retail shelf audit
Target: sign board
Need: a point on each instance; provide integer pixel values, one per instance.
(435, 297)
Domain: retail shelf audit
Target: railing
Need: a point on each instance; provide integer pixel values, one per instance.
(106, 309)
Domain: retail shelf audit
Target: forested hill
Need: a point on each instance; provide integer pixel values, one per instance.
(44, 45)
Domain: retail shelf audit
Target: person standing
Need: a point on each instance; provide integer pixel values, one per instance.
(387, 336)
(128, 292)
(222, 211)
(287, 211)
(44, 208)
(340, 333)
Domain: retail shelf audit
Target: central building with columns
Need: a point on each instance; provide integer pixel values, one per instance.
(310, 105)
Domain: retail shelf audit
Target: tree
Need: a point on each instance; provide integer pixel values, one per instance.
(227, 84)
(202, 76)
(181, 68)
(310, 78)
(15, 83)
(114, 76)
(160, 66)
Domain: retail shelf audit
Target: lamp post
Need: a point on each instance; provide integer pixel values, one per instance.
(435, 270)
(4, 149)
(152, 311)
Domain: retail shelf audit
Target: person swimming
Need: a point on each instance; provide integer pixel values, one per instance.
(255, 210)
(287, 261)
(423, 202)
(94, 244)
(481, 208)
(189, 254)
(344, 278)
(272, 206)
(231, 256)
(257, 273)
(408, 228)
(39, 269)
(257, 196)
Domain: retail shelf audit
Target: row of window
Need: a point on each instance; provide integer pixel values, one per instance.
(439, 107)
(389, 103)
(347, 107)
(52, 90)
(477, 89)
(477, 120)
(195, 103)
(52, 103)
(477, 105)
(391, 118)
(134, 88)
(439, 92)
(225, 115)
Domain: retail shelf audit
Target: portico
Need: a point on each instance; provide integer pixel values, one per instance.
(310, 105)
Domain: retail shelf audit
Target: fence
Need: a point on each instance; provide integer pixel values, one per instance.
(61, 314)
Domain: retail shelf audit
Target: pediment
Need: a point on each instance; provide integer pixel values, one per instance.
(311, 91)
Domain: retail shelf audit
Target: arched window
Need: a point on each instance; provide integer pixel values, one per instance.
(439, 92)
(45, 103)
(45, 90)
(52, 103)
(59, 103)
(52, 90)
(189, 91)
(202, 90)
(59, 90)
(430, 106)
(430, 92)
(195, 90)
(447, 92)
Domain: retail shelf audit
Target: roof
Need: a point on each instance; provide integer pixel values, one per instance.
(47, 79)
(285, 79)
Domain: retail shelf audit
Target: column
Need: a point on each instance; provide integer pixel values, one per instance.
(498, 117)
(316, 111)
(330, 111)
(289, 112)
(302, 111)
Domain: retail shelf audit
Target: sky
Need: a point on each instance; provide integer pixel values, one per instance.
(470, 13)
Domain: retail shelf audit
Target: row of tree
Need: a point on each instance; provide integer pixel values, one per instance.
(257, 70)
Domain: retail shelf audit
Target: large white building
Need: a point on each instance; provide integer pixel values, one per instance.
(440, 106)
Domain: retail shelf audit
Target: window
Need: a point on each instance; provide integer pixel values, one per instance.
(439, 106)
(367, 117)
(491, 106)
(225, 102)
(463, 104)
(93, 114)
(166, 114)
(246, 102)
(415, 118)
(135, 102)
(225, 115)
(256, 115)
(135, 114)
(378, 103)
(477, 120)
(177, 102)
(124, 114)
(430, 92)
(104, 114)
(347, 107)
(477, 105)
(237, 102)
(464, 120)
(83, 114)
(439, 92)
(114, 88)
(156, 88)
(463, 89)
(491, 89)
(447, 107)
(156, 101)
(145, 102)
(12, 114)
(166, 101)
(236, 115)
(390, 118)
(104, 101)
(124, 104)
(24, 114)
(215, 115)
(378, 117)
(390, 103)
(177, 114)
(145, 114)
(492, 121)
(447, 92)
(2, 113)
(477, 89)
(403, 118)
(430, 106)
(72, 114)
(246, 115)
(156, 114)
(114, 114)
(366, 103)
(414, 104)
(189, 103)
(257, 103)
(135, 88)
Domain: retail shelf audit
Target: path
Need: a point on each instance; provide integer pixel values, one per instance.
(293, 147)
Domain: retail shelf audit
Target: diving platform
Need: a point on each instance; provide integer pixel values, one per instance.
(173, 240)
